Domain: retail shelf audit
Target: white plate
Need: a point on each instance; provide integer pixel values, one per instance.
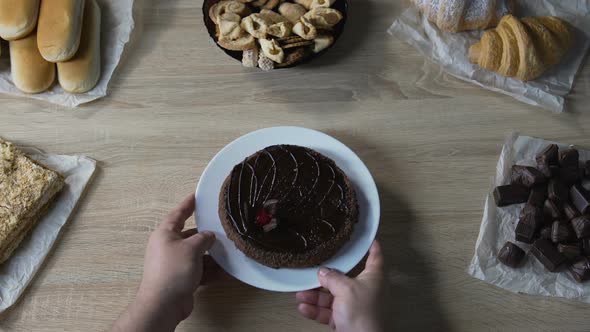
(249, 271)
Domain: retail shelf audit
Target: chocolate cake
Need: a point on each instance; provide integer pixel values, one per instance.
(288, 206)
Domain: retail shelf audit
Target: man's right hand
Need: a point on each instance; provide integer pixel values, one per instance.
(348, 304)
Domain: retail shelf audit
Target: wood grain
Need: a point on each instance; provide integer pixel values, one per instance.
(430, 140)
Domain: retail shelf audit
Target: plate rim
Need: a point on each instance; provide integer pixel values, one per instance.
(372, 189)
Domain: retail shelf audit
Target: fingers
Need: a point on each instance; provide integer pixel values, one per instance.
(321, 315)
(315, 297)
(336, 282)
(375, 259)
(177, 217)
(201, 242)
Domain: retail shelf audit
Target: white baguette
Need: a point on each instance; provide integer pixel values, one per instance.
(81, 73)
(30, 72)
(59, 29)
(18, 18)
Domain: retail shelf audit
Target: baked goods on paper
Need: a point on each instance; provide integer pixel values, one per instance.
(67, 34)
(27, 190)
(498, 226)
(451, 51)
(523, 48)
(288, 206)
(86, 53)
(462, 15)
(275, 34)
(18, 18)
(17, 272)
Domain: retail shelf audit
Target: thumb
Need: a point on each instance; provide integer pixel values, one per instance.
(201, 242)
(336, 282)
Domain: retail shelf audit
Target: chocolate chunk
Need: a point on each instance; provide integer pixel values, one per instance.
(570, 175)
(581, 226)
(580, 198)
(561, 232)
(586, 247)
(510, 194)
(511, 255)
(545, 233)
(547, 254)
(554, 169)
(527, 226)
(551, 211)
(526, 176)
(580, 269)
(550, 154)
(570, 251)
(538, 195)
(557, 191)
(569, 158)
(570, 211)
(547, 158)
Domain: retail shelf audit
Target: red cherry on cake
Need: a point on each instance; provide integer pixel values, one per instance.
(262, 217)
(266, 215)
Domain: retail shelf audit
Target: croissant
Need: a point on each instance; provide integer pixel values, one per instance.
(524, 48)
(461, 15)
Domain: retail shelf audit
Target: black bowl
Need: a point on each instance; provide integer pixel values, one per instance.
(341, 5)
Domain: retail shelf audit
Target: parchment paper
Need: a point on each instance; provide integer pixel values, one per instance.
(451, 51)
(116, 26)
(19, 270)
(498, 226)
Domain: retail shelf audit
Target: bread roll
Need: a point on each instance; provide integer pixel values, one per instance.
(18, 18)
(30, 72)
(60, 26)
(80, 74)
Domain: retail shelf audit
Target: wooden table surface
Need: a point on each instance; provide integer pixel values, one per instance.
(430, 140)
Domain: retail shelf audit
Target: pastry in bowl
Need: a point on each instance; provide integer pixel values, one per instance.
(288, 206)
(274, 34)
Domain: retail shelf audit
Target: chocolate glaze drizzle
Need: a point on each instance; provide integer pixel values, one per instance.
(310, 191)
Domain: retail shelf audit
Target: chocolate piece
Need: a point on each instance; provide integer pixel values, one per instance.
(580, 198)
(557, 191)
(570, 175)
(510, 194)
(551, 211)
(545, 233)
(550, 154)
(580, 269)
(570, 211)
(528, 225)
(561, 232)
(511, 255)
(581, 226)
(569, 158)
(526, 176)
(586, 247)
(547, 158)
(570, 251)
(547, 254)
(538, 195)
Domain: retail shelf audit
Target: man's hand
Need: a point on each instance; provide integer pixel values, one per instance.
(173, 269)
(348, 304)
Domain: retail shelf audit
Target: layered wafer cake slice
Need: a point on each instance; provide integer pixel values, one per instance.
(27, 189)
